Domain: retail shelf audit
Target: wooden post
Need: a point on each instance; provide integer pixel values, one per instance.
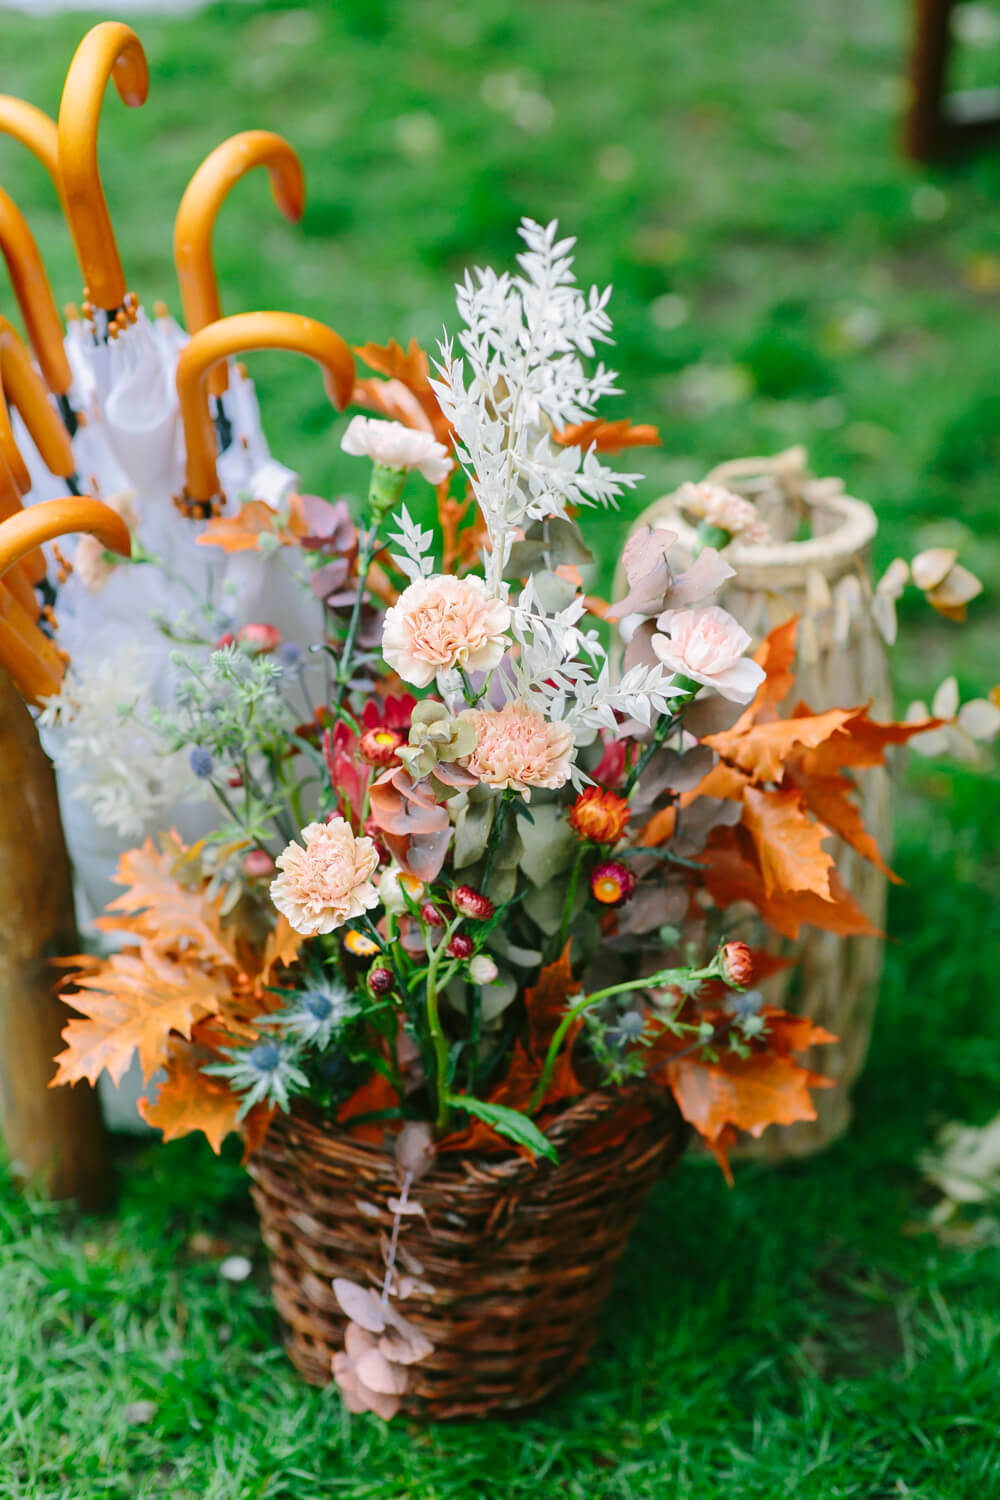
(940, 124)
(54, 1138)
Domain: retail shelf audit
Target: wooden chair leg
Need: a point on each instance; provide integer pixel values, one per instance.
(926, 131)
(54, 1137)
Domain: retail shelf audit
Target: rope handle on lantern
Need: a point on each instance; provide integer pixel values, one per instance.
(238, 335)
(110, 52)
(199, 208)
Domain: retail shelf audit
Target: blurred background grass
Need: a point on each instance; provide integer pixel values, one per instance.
(781, 276)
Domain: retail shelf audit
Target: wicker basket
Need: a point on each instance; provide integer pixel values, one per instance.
(520, 1255)
(841, 662)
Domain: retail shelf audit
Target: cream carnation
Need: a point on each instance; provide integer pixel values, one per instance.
(444, 622)
(93, 564)
(397, 447)
(518, 747)
(707, 645)
(328, 882)
(720, 507)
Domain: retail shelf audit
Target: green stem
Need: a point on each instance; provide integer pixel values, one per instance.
(366, 553)
(650, 982)
(495, 837)
(567, 915)
(438, 1038)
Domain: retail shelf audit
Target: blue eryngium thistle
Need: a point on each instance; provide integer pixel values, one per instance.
(315, 1015)
(264, 1074)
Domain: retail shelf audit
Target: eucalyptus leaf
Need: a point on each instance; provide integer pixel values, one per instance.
(554, 593)
(510, 1123)
(549, 845)
(545, 903)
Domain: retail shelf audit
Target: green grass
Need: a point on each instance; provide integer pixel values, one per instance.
(792, 1337)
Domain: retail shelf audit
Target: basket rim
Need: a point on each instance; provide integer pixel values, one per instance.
(451, 1168)
(759, 564)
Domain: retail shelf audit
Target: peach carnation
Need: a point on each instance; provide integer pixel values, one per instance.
(720, 507)
(397, 447)
(328, 882)
(518, 747)
(93, 564)
(707, 645)
(444, 622)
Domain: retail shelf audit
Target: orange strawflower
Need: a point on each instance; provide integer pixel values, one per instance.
(599, 816)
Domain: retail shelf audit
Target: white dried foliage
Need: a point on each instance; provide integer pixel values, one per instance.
(414, 559)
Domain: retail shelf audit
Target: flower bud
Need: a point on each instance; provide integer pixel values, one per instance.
(612, 883)
(470, 903)
(431, 915)
(482, 969)
(259, 638)
(736, 965)
(257, 864)
(380, 979)
(461, 946)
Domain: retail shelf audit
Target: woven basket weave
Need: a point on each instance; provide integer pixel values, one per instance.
(841, 662)
(520, 1254)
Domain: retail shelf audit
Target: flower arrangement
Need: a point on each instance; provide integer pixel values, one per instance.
(490, 844)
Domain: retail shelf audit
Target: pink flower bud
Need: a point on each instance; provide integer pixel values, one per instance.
(461, 946)
(257, 864)
(260, 638)
(736, 963)
(431, 915)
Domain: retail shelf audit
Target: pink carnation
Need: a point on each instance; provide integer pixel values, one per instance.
(444, 622)
(518, 747)
(720, 507)
(707, 645)
(328, 882)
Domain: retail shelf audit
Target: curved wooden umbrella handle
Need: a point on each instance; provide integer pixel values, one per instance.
(34, 296)
(49, 519)
(26, 390)
(109, 51)
(199, 208)
(36, 130)
(238, 335)
(11, 463)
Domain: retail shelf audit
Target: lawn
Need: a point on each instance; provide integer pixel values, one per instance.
(781, 276)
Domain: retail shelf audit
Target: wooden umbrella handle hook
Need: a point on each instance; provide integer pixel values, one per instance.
(109, 51)
(36, 130)
(199, 208)
(26, 391)
(238, 335)
(49, 519)
(34, 296)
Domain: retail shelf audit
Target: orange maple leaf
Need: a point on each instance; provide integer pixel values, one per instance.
(829, 798)
(545, 1002)
(730, 876)
(189, 1100)
(762, 750)
(374, 1095)
(132, 1005)
(407, 368)
(743, 1093)
(864, 743)
(608, 437)
(255, 518)
(788, 842)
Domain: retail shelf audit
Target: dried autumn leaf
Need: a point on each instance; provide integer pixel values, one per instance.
(189, 1100)
(788, 842)
(862, 742)
(164, 912)
(608, 437)
(255, 518)
(133, 1004)
(409, 368)
(829, 798)
(763, 749)
(776, 654)
(731, 876)
(546, 1000)
(748, 1093)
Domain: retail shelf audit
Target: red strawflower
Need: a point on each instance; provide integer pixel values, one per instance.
(432, 915)
(599, 816)
(260, 638)
(612, 882)
(380, 980)
(470, 903)
(378, 747)
(461, 946)
(736, 963)
(257, 864)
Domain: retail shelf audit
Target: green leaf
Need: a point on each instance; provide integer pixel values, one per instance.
(507, 1122)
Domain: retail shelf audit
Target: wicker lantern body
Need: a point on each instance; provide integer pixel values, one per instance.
(520, 1255)
(842, 661)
